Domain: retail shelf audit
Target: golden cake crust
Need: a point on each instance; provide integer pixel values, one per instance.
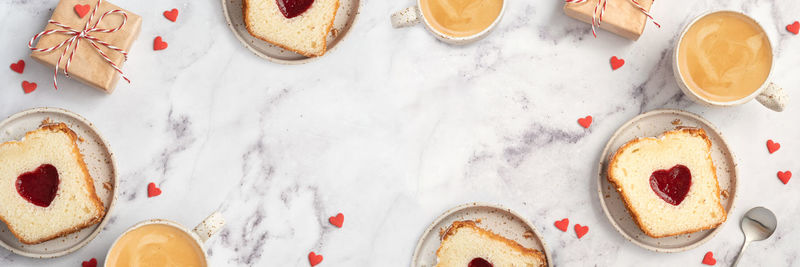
(613, 180)
(471, 224)
(61, 127)
(324, 40)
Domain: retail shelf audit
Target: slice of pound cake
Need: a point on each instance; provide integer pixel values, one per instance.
(467, 245)
(301, 26)
(45, 188)
(669, 184)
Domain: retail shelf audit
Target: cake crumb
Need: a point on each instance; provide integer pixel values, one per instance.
(724, 193)
(334, 32)
(478, 221)
(107, 186)
(676, 122)
(46, 121)
(527, 235)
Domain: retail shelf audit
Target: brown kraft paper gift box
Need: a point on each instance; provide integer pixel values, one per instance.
(87, 65)
(621, 16)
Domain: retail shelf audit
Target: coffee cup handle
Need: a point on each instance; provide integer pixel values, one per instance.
(210, 226)
(773, 97)
(407, 17)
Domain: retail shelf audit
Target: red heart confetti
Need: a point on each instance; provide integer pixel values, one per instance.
(314, 259)
(773, 146)
(337, 220)
(158, 44)
(89, 263)
(581, 230)
(18, 67)
(794, 27)
(708, 259)
(616, 63)
(152, 190)
(171, 15)
(585, 122)
(82, 10)
(785, 176)
(562, 224)
(28, 87)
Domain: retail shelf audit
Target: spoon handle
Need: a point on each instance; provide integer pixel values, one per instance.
(741, 252)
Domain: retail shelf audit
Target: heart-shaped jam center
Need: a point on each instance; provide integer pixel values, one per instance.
(293, 8)
(479, 262)
(672, 185)
(39, 186)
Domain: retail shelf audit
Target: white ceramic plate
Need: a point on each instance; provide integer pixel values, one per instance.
(345, 17)
(499, 220)
(653, 124)
(99, 160)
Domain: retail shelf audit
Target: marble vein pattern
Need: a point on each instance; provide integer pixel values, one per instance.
(393, 127)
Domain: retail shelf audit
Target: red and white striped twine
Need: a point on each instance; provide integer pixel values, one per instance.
(72, 42)
(601, 5)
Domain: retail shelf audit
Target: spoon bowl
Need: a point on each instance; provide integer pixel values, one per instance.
(757, 224)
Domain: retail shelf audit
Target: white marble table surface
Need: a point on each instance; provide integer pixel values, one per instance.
(393, 127)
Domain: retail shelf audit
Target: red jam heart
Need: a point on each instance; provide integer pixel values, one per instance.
(39, 186)
(562, 224)
(314, 258)
(794, 27)
(672, 185)
(616, 63)
(709, 259)
(479, 262)
(293, 8)
(89, 263)
(18, 67)
(337, 220)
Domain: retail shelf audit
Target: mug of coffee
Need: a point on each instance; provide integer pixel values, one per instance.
(163, 243)
(453, 21)
(725, 58)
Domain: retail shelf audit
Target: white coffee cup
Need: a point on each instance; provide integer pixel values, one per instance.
(413, 15)
(202, 232)
(768, 94)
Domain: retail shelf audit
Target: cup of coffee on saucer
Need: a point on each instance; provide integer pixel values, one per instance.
(453, 21)
(163, 243)
(725, 58)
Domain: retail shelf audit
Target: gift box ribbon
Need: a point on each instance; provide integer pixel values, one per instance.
(72, 42)
(601, 5)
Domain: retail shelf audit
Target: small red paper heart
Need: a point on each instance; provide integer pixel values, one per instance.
(28, 87)
(152, 190)
(773, 146)
(18, 67)
(785, 176)
(171, 14)
(794, 27)
(562, 224)
(314, 259)
(708, 259)
(616, 62)
(585, 122)
(337, 220)
(82, 10)
(581, 230)
(89, 263)
(158, 44)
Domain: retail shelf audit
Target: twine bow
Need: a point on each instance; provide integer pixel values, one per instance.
(72, 42)
(601, 5)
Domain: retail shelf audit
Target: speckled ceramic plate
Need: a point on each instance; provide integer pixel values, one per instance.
(653, 124)
(99, 160)
(345, 17)
(500, 220)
